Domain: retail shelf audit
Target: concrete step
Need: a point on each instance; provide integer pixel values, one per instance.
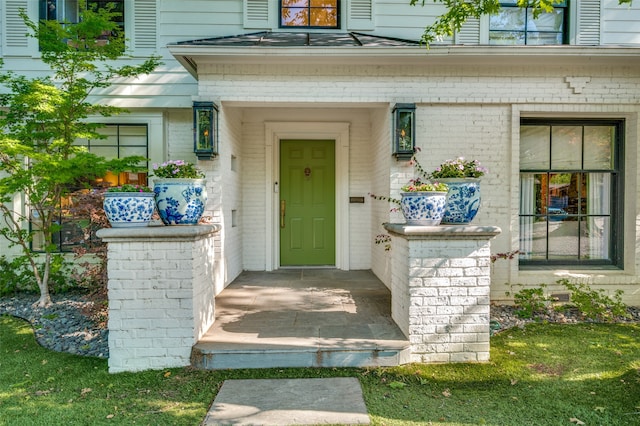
(355, 353)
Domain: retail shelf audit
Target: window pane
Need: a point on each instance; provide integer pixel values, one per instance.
(533, 238)
(509, 18)
(559, 190)
(133, 135)
(598, 147)
(295, 17)
(563, 239)
(129, 151)
(107, 152)
(295, 3)
(566, 147)
(540, 39)
(530, 193)
(324, 3)
(598, 193)
(324, 17)
(534, 147)
(597, 238)
(546, 21)
(506, 37)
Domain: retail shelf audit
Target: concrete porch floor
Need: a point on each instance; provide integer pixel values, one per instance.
(302, 318)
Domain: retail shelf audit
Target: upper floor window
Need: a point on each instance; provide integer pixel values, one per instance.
(571, 192)
(68, 10)
(516, 25)
(310, 13)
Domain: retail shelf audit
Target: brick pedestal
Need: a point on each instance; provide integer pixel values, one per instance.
(440, 288)
(161, 294)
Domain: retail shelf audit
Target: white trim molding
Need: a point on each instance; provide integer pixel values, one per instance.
(276, 131)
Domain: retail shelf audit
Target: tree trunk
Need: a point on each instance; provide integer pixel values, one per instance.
(43, 283)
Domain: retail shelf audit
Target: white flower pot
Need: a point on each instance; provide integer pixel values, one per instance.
(180, 201)
(129, 209)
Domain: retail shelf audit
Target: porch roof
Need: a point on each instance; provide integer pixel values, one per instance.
(298, 39)
(353, 48)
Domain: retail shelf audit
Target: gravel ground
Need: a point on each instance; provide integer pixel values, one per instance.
(63, 328)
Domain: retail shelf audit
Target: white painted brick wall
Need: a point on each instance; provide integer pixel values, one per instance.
(161, 294)
(461, 111)
(439, 292)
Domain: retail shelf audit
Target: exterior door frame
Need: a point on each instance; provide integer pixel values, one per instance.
(274, 132)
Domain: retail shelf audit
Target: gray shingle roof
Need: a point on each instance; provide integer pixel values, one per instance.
(289, 39)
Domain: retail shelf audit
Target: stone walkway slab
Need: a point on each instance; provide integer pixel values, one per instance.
(289, 402)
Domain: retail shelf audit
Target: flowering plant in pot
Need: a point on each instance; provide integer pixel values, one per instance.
(180, 192)
(129, 205)
(416, 185)
(177, 169)
(463, 178)
(459, 169)
(129, 187)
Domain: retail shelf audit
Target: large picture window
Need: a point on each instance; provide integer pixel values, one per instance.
(571, 192)
(309, 13)
(122, 140)
(516, 25)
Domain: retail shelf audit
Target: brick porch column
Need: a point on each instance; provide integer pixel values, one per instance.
(161, 294)
(440, 286)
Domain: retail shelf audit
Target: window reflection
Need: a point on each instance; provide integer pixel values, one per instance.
(309, 13)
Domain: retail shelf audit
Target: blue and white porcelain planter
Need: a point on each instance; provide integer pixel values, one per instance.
(180, 201)
(423, 208)
(129, 209)
(463, 200)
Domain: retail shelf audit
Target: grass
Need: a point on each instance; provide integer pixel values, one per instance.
(544, 375)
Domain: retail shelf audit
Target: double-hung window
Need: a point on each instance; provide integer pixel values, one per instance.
(310, 13)
(571, 192)
(122, 140)
(68, 10)
(514, 25)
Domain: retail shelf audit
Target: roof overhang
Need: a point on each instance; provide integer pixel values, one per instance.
(191, 54)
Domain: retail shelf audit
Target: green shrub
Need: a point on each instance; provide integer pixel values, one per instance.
(531, 301)
(16, 275)
(595, 304)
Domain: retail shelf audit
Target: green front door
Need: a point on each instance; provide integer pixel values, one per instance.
(307, 203)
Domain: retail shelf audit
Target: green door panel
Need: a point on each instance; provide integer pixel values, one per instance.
(307, 201)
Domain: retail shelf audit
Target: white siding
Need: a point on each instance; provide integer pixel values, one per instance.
(620, 23)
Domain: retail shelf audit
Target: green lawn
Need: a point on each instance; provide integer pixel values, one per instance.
(543, 375)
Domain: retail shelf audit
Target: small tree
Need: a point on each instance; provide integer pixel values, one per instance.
(459, 11)
(42, 117)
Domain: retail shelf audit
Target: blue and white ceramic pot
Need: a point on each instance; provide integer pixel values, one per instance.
(463, 200)
(423, 208)
(180, 201)
(128, 209)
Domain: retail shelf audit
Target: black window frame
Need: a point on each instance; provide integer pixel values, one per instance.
(513, 4)
(336, 27)
(616, 216)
